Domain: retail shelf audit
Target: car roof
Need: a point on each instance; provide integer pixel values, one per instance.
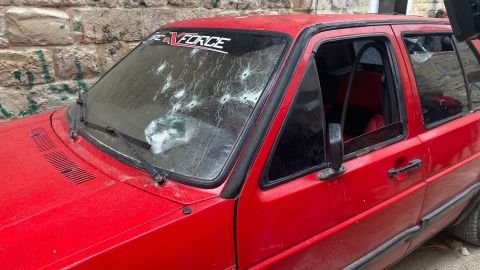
(294, 24)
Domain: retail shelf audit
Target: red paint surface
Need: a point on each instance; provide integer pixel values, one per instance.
(329, 222)
(46, 220)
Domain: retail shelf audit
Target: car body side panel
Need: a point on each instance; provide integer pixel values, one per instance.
(309, 223)
(453, 149)
(438, 226)
(201, 240)
(454, 160)
(342, 243)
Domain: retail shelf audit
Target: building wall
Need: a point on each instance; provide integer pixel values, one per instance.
(50, 49)
(426, 7)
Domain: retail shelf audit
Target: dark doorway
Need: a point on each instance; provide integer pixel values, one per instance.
(393, 6)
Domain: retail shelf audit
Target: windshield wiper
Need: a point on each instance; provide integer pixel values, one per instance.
(156, 175)
(108, 130)
(73, 125)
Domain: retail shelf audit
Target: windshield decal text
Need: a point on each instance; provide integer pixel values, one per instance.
(191, 40)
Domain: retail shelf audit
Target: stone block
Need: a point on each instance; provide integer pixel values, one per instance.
(26, 67)
(239, 4)
(259, 12)
(102, 25)
(50, 3)
(185, 3)
(211, 3)
(55, 95)
(77, 62)
(229, 13)
(3, 30)
(127, 3)
(278, 4)
(105, 3)
(155, 3)
(156, 17)
(285, 11)
(303, 4)
(334, 6)
(362, 6)
(203, 13)
(38, 26)
(229, 5)
(13, 103)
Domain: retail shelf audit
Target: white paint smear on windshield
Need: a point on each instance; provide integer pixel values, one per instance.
(169, 132)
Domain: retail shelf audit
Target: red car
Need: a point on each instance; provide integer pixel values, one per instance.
(279, 142)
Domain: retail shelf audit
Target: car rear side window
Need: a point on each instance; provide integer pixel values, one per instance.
(472, 71)
(439, 78)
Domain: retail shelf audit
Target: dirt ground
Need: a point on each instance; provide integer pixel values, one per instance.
(444, 252)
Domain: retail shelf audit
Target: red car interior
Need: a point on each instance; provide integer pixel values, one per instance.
(366, 95)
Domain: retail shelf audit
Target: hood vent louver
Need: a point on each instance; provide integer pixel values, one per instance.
(42, 140)
(68, 168)
(61, 162)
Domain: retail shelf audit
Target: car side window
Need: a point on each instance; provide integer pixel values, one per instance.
(353, 78)
(439, 78)
(471, 66)
(360, 92)
(302, 142)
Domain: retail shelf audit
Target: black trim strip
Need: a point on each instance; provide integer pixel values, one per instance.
(233, 186)
(464, 74)
(334, 26)
(448, 206)
(366, 261)
(445, 120)
(266, 183)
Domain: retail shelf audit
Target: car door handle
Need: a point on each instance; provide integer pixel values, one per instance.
(411, 166)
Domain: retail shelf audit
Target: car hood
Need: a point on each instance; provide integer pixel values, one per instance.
(54, 204)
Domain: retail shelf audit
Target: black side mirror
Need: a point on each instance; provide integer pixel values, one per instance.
(464, 16)
(335, 142)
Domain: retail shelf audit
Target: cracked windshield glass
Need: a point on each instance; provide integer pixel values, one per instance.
(187, 95)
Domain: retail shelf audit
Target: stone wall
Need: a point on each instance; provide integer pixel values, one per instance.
(50, 49)
(426, 7)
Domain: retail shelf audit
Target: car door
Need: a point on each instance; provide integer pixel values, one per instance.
(363, 217)
(441, 70)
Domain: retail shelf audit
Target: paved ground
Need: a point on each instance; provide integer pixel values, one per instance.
(443, 252)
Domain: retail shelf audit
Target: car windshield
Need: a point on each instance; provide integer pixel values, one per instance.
(187, 95)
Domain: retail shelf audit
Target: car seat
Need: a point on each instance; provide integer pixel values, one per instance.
(364, 113)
